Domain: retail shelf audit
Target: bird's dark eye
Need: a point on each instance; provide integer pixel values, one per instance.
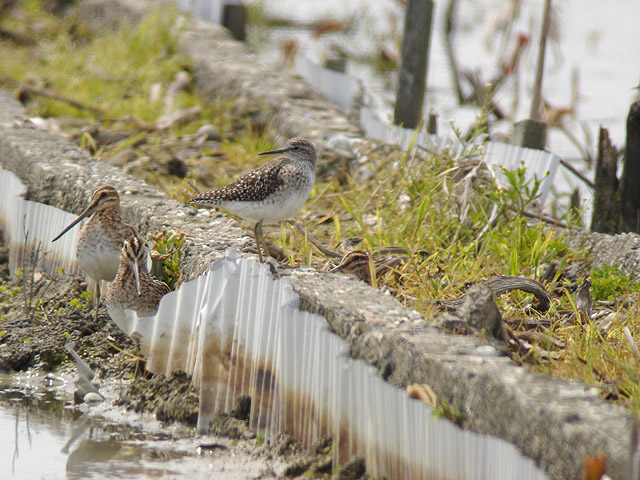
(296, 148)
(103, 194)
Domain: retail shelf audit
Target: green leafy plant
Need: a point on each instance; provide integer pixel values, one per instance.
(609, 282)
(519, 193)
(166, 255)
(444, 410)
(82, 301)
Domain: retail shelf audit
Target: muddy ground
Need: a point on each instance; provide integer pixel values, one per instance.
(41, 313)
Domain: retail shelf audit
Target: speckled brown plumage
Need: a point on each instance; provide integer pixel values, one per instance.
(271, 193)
(101, 238)
(357, 263)
(254, 186)
(134, 288)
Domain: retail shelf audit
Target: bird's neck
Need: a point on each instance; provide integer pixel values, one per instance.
(111, 213)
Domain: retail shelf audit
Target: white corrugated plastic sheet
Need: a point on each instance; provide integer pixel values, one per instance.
(539, 164)
(29, 228)
(238, 331)
(341, 89)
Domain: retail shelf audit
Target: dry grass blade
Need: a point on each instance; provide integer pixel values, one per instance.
(632, 344)
(466, 193)
(316, 243)
(545, 218)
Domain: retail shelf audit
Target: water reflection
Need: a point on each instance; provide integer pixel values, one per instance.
(30, 445)
(41, 437)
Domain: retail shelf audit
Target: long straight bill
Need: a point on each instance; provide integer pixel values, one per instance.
(273, 152)
(89, 210)
(136, 273)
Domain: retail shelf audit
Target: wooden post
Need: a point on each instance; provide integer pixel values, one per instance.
(631, 172)
(412, 79)
(234, 19)
(432, 123)
(530, 134)
(537, 86)
(606, 200)
(337, 64)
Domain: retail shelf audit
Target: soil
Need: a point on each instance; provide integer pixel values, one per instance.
(41, 313)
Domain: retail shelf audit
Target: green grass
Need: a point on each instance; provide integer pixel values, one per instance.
(455, 223)
(609, 283)
(112, 72)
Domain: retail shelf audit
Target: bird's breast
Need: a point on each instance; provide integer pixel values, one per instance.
(98, 257)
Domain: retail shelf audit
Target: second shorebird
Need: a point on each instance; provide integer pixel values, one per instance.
(272, 192)
(101, 238)
(134, 288)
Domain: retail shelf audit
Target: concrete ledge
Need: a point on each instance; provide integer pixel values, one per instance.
(622, 250)
(59, 173)
(554, 422)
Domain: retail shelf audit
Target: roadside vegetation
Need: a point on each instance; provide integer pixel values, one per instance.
(445, 218)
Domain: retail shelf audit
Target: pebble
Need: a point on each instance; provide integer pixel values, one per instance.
(93, 397)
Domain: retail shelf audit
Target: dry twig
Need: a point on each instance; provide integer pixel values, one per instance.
(25, 91)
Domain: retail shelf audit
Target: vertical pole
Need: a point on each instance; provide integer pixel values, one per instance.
(234, 18)
(412, 80)
(630, 192)
(337, 64)
(606, 200)
(432, 123)
(530, 134)
(537, 86)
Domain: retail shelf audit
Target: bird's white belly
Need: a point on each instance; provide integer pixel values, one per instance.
(272, 210)
(99, 262)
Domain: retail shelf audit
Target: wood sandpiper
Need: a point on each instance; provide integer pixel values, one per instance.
(101, 238)
(272, 192)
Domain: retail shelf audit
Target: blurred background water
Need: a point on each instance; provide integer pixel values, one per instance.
(592, 61)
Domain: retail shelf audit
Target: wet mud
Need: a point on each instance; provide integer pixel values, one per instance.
(40, 314)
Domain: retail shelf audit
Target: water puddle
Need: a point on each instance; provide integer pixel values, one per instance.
(44, 437)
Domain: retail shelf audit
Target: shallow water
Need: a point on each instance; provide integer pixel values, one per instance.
(596, 39)
(44, 437)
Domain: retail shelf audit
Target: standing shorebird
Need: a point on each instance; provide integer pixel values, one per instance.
(134, 288)
(272, 192)
(101, 238)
